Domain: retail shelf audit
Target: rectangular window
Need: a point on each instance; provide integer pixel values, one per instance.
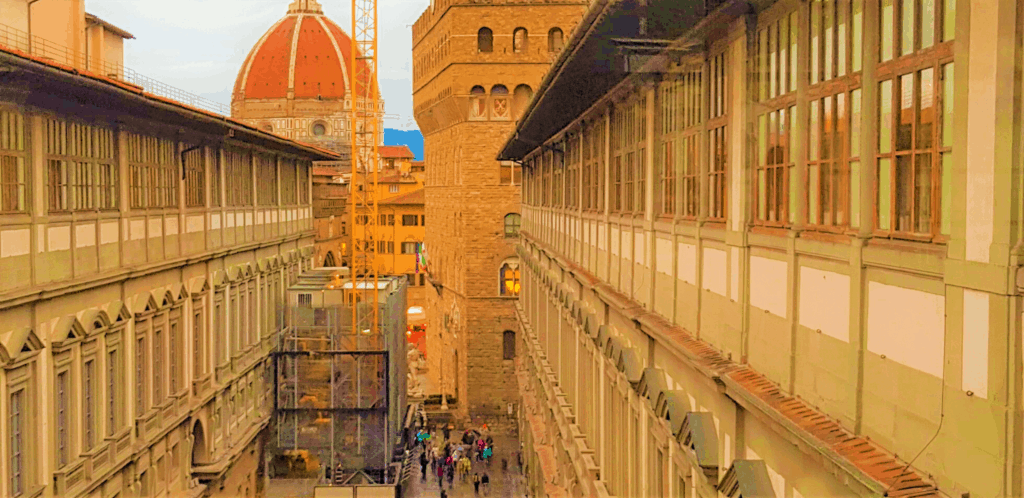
(13, 174)
(81, 175)
(154, 171)
(303, 191)
(172, 352)
(113, 394)
(717, 138)
(63, 439)
(89, 404)
(775, 159)
(266, 180)
(16, 448)
(158, 367)
(910, 164)
(393, 189)
(238, 177)
(914, 161)
(410, 220)
(197, 345)
(289, 193)
(409, 247)
(195, 177)
(215, 167)
(678, 153)
(140, 379)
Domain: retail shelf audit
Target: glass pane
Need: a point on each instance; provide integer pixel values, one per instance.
(793, 32)
(828, 123)
(886, 41)
(885, 117)
(946, 201)
(783, 54)
(773, 138)
(782, 154)
(884, 193)
(904, 193)
(907, 23)
(927, 23)
(792, 135)
(855, 123)
(826, 181)
(949, 20)
(857, 35)
(923, 193)
(813, 195)
(947, 105)
(815, 42)
(841, 13)
(855, 194)
(926, 109)
(762, 144)
(840, 126)
(905, 119)
(773, 60)
(760, 194)
(793, 195)
(815, 135)
(762, 64)
(828, 22)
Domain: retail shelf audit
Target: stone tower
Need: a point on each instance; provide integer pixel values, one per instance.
(475, 67)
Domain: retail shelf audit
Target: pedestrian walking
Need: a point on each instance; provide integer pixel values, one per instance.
(450, 473)
(447, 432)
(440, 475)
(485, 481)
(476, 484)
(423, 464)
(504, 465)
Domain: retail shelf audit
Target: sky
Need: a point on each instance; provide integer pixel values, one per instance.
(199, 45)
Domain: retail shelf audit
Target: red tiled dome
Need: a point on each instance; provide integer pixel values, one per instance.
(304, 51)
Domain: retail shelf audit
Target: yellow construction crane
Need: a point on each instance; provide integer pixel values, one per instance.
(366, 134)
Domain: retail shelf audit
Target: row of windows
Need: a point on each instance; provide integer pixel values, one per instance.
(388, 247)
(82, 172)
(911, 155)
(520, 40)
(91, 362)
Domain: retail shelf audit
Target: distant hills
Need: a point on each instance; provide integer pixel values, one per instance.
(412, 138)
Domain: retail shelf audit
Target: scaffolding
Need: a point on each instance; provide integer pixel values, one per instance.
(340, 388)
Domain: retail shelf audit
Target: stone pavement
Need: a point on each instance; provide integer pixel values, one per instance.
(508, 484)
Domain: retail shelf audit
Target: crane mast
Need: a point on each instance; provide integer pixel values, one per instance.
(366, 136)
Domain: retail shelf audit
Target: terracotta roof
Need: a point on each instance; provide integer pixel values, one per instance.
(396, 179)
(395, 152)
(857, 454)
(115, 84)
(305, 51)
(414, 197)
(110, 27)
(326, 171)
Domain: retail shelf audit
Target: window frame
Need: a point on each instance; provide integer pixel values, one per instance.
(14, 149)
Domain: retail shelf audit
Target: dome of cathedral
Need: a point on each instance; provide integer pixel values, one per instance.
(304, 55)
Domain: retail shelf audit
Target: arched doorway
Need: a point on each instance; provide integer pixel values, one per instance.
(199, 454)
(329, 260)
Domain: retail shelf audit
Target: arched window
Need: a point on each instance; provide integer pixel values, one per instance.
(510, 279)
(268, 127)
(484, 40)
(508, 343)
(512, 221)
(521, 98)
(520, 41)
(329, 260)
(478, 97)
(555, 40)
(499, 101)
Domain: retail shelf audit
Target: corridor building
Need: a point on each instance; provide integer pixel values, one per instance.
(774, 249)
(145, 248)
(475, 64)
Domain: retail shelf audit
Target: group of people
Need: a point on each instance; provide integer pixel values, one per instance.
(447, 458)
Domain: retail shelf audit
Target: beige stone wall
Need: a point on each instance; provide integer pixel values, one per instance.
(465, 199)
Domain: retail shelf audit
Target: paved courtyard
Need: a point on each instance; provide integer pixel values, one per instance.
(508, 484)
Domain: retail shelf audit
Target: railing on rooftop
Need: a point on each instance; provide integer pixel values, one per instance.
(15, 39)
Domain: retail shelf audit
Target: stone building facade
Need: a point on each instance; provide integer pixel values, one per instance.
(766, 257)
(144, 251)
(475, 65)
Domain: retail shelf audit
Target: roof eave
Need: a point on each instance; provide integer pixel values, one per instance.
(110, 27)
(580, 33)
(54, 75)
